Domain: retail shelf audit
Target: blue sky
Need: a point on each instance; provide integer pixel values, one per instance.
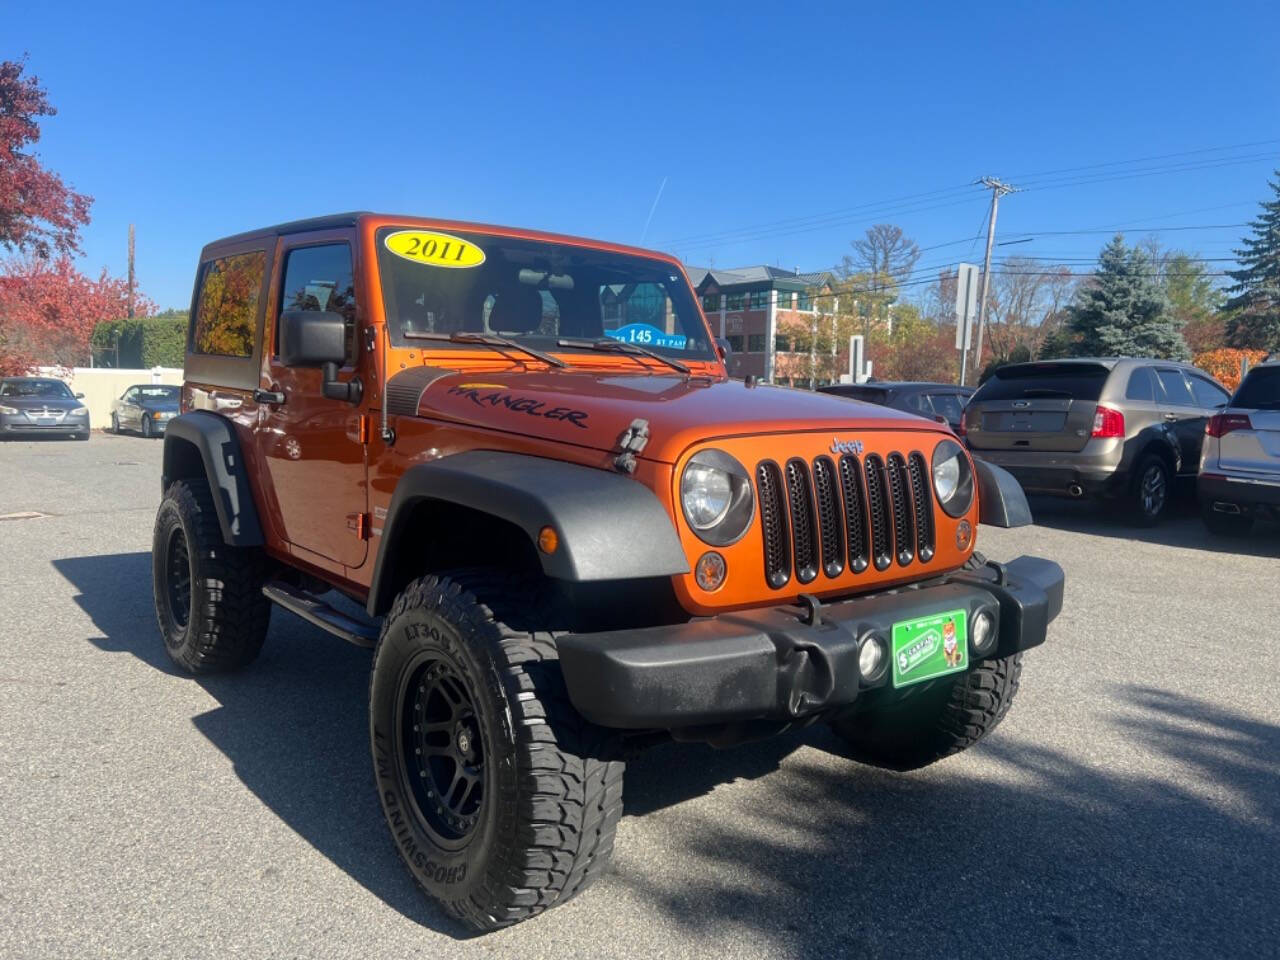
(198, 120)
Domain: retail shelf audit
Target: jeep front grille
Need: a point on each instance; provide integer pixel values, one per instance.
(825, 518)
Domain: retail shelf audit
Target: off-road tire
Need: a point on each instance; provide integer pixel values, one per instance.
(1225, 524)
(940, 719)
(224, 620)
(552, 782)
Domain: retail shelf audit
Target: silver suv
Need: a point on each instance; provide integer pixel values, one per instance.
(1240, 464)
(1120, 429)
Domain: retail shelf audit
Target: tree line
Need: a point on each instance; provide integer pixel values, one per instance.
(1142, 299)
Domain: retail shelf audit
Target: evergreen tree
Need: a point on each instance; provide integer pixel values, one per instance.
(1123, 311)
(1253, 312)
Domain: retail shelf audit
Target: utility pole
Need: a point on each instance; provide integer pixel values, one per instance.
(998, 189)
(130, 272)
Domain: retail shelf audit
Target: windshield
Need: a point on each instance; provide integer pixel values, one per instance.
(158, 393)
(36, 388)
(534, 292)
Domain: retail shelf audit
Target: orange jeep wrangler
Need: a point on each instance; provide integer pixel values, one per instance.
(571, 534)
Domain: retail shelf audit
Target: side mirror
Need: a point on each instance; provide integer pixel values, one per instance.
(318, 338)
(312, 338)
(723, 348)
(79, 396)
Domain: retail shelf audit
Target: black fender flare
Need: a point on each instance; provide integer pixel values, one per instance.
(610, 527)
(1001, 500)
(218, 447)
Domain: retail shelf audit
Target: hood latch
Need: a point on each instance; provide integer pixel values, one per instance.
(631, 443)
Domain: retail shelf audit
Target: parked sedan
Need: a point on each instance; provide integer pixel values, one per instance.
(933, 400)
(146, 408)
(1240, 465)
(41, 407)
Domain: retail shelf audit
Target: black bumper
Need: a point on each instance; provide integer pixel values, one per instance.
(782, 663)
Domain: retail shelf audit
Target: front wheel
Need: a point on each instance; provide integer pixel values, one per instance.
(147, 430)
(501, 799)
(115, 424)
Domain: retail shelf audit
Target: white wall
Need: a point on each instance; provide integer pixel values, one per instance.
(101, 385)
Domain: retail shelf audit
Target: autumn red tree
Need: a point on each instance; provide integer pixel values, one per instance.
(48, 310)
(38, 212)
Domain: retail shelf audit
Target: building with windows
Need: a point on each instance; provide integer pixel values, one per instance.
(755, 309)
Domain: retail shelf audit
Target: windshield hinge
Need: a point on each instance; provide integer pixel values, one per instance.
(631, 443)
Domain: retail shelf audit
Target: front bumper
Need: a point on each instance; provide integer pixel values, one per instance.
(13, 426)
(783, 663)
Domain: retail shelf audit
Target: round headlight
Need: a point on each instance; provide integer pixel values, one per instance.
(715, 494)
(952, 478)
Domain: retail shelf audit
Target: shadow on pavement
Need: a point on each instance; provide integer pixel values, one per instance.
(1034, 853)
(1181, 527)
(294, 724)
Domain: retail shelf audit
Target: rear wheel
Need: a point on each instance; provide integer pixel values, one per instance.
(502, 800)
(208, 595)
(1150, 490)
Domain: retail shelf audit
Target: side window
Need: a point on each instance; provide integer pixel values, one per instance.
(1208, 394)
(1142, 385)
(948, 405)
(1175, 388)
(131, 395)
(320, 278)
(227, 308)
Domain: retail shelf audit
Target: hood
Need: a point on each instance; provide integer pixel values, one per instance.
(37, 403)
(593, 409)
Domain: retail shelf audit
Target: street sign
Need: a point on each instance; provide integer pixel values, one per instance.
(966, 303)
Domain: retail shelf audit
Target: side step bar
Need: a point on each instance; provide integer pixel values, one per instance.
(317, 612)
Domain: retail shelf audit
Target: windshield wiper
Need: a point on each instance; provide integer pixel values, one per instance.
(610, 345)
(486, 340)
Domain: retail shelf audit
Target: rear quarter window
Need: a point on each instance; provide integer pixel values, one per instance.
(1142, 385)
(226, 317)
(1031, 381)
(1260, 390)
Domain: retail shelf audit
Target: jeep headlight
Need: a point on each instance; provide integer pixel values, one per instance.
(952, 478)
(716, 496)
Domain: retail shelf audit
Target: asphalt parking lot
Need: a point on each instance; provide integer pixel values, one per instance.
(1130, 805)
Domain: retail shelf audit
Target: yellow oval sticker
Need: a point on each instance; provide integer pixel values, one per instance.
(434, 249)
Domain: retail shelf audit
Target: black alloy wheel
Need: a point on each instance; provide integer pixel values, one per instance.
(442, 749)
(177, 563)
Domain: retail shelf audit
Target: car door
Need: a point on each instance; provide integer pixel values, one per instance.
(128, 413)
(1185, 418)
(313, 446)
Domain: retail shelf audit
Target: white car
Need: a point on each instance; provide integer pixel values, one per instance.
(1240, 460)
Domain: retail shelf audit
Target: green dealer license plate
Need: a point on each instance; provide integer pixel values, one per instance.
(929, 647)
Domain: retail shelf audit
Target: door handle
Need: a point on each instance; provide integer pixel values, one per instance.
(274, 397)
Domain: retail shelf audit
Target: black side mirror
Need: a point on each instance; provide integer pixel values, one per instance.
(318, 338)
(79, 396)
(723, 348)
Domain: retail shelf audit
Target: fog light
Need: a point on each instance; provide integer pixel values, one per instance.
(871, 658)
(709, 571)
(983, 637)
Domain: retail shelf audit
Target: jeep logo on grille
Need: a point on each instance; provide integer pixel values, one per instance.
(846, 446)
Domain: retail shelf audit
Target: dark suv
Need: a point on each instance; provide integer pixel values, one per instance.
(1121, 429)
(936, 401)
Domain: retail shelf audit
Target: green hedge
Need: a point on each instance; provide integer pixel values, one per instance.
(141, 343)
